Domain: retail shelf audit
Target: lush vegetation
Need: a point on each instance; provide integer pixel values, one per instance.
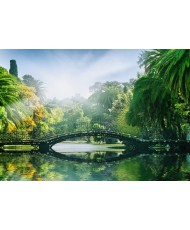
(155, 105)
(160, 105)
(25, 110)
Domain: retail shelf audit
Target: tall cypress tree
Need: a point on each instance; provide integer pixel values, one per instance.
(13, 68)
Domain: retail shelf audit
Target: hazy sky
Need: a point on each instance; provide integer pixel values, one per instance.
(70, 72)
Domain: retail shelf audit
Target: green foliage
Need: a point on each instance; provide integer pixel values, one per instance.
(9, 99)
(161, 97)
(124, 127)
(175, 68)
(36, 84)
(153, 107)
(3, 118)
(8, 89)
(150, 98)
(104, 94)
(171, 65)
(108, 100)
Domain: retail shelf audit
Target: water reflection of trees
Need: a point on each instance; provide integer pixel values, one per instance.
(26, 167)
(100, 156)
(143, 167)
(152, 167)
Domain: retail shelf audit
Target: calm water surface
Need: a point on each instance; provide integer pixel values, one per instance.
(89, 162)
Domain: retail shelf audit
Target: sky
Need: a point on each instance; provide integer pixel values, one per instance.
(67, 73)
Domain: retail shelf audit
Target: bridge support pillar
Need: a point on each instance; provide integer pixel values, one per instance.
(44, 147)
(136, 145)
(184, 146)
(1, 146)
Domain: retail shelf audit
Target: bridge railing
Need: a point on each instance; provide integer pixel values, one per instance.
(78, 127)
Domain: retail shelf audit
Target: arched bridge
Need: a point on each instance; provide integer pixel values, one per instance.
(125, 138)
(45, 143)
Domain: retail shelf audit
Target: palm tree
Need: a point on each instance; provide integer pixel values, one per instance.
(8, 88)
(9, 97)
(173, 66)
(152, 107)
(149, 59)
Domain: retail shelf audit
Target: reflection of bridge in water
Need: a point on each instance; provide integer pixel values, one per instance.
(45, 143)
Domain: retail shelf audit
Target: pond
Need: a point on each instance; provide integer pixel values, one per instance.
(87, 162)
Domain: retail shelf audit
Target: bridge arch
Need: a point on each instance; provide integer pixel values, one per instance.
(125, 138)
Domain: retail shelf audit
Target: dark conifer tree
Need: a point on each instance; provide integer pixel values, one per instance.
(13, 68)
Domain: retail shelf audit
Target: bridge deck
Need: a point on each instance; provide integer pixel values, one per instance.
(50, 140)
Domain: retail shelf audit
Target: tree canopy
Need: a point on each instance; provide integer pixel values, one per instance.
(154, 105)
(161, 96)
